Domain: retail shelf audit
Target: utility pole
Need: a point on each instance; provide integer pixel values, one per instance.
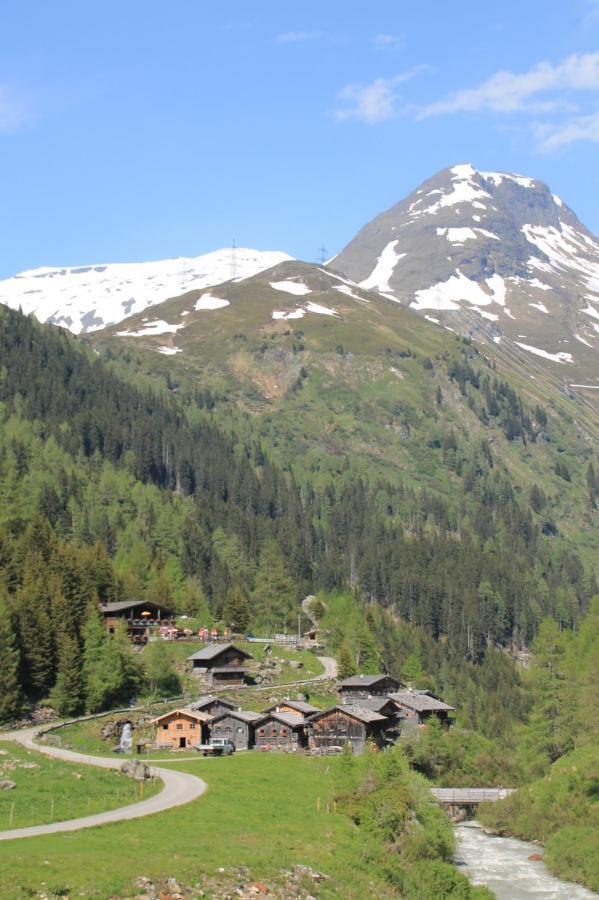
(322, 255)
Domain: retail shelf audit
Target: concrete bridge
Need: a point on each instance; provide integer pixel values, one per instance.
(469, 796)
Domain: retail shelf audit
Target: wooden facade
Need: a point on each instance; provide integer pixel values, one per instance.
(335, 728)
(142, 619)
(281, 731)
(361, 687)
(220, 664)
(236, 726)
(181, 729)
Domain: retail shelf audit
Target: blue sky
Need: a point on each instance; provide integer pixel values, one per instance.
(140, 130)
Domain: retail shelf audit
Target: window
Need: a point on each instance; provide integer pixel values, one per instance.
(283, 731)
(179, 726)
(165, 727)
(261, 732)
(192, 724)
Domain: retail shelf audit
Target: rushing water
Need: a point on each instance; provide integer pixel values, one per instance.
(502, 864)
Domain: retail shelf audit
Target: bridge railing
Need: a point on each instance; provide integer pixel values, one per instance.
(470, 795)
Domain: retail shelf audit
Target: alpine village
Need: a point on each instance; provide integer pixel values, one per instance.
(299, 545)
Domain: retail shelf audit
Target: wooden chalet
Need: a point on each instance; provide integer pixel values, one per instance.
(181, 729)
(212, 706)
(281, 731)
(418, 706)
(295, 707)
(237, 726)
(220, 664)
(361, 687)
(333, 728)
(142, 618)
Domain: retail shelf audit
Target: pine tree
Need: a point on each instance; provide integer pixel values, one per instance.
(346, 664)
(10, 693)
(237, 609)
(67, 693)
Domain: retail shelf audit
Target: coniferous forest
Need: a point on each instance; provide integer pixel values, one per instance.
(113, 486)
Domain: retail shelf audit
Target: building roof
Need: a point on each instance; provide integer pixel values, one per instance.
(305, 708)
(376, 704)
(356, 712)
(203, 702)
(286, 718)
(212, 651)
(190, 713)
(365, 680)
(421, 701)
(120, 605)
(242, 714)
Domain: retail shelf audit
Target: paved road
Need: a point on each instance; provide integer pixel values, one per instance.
(179, 788)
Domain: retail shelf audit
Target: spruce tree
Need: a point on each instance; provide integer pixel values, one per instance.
(67, 693)
(10, 693)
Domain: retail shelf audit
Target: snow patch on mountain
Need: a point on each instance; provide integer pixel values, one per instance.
(87, 298)
(291, 287)
(448, 294)
(159, 326)
(321, 310)
(209, 301)
(294, 314)
(379, 277)
(554, 357)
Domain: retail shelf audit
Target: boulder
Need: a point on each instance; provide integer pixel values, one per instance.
(535, 857)
(7, 785)
(135, 769)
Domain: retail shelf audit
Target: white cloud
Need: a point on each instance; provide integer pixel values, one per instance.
(374, 102)
(511, 92)
(13, 113)
(557, 135)
(388, 41)
(298, 37)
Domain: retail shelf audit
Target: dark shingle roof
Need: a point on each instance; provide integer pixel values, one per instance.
(213, 650)
(119, 605)
(244, 715)
(286, 718)
(355, 711)
(364, 680)
(421, 701)
(306, 708)
(202, 702)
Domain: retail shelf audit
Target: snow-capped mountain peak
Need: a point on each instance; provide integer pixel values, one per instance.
(492, 254)
(87, 298)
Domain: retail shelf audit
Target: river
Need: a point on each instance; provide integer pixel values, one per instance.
(502, 865)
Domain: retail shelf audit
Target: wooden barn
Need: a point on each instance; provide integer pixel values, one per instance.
(361, 687)
(281, 731)
(181, 729)
(212, 706)
(142, 618)
(220, 664)
(296, 707)
(237, 726)
(348, 724)
(418, 706)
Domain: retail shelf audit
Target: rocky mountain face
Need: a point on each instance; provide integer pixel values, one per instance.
(87, 298)
(493, 255)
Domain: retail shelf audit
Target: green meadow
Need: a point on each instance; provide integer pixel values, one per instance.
(49, 790)
(260, 811)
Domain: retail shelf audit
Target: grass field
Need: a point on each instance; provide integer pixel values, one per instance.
(260, 811)
(48, 790)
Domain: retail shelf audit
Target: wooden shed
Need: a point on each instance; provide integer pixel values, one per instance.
(281, 731)
(348, 724)
(181, 729)
(360, 687)
(237, 726)
(212, 706)
(220, 664)
(418, 706)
